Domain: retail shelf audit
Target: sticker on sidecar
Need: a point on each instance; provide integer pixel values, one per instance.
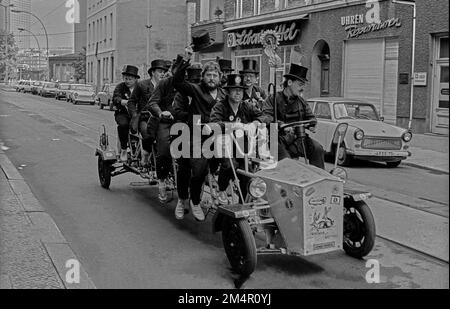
(336, 200)
(315, 201)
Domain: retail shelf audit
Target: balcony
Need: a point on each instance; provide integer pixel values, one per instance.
(214, 27)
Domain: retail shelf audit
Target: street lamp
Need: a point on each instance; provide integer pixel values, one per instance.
(7, 36)
(39, 46)
(413, 65)
(43, 26)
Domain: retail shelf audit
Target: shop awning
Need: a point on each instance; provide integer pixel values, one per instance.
(267, 22)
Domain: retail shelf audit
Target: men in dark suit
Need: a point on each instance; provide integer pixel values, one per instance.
(205, 95)
(291, 107)
(253, 93)
(122, 94)
(139, 99)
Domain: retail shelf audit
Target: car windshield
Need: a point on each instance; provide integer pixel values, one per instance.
(36, 83)
(83, 88)
(50, 85)
(64, 87)
(355, 111)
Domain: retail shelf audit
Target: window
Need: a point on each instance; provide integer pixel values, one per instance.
(323, 110)
(204, 10)
(238, 8)
(443, 53)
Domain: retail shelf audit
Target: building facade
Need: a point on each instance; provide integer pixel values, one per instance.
(62, 67)
(80, 29)
(355, 48)
(121, 32)
(20, 20)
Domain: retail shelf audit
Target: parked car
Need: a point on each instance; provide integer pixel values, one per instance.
(104, 97)
(26, 86)
(35, 87)
(19, 85)
(368, 137)
(62, 91)
(48, 89)
(82, 94)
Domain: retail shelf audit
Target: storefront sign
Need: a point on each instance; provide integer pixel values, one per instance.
(286, 32)
(420, 79)
(354, 31)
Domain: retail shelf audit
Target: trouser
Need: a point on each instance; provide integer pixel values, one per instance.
(191, 176)
(314, 151)
(226, 174)
(140, 122)
(163, 157)
(123, 128)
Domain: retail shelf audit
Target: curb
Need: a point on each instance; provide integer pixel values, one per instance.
(428, 168)
(55, 245)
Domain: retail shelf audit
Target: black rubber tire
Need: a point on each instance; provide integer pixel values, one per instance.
(359, 228)
(239, 244)
(344, 159)
(104, 173)
(393, 164)
(101, 105)
(111, 106)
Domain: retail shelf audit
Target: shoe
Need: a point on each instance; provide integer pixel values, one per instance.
(223, 198)
(162, 191)
(197, 212)
(179, 210)
(124, 156)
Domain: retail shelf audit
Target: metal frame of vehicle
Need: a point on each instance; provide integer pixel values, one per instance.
(47, 91)
(74, 98)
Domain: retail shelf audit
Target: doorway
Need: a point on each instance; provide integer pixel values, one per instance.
(440, 105)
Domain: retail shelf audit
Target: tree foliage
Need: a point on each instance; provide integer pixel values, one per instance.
(8, 53)
(80, 66)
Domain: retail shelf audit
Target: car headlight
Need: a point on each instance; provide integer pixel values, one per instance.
(359, 135)
(257, 188)
(407, 137)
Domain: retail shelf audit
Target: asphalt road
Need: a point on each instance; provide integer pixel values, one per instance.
(126, 239)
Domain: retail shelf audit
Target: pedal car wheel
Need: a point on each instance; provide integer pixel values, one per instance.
(239, 244)
(359, 229)
(104, 173)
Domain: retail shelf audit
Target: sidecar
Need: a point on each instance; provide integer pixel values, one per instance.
(300, 210)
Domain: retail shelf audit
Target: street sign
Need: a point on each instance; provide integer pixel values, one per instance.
(420, 79)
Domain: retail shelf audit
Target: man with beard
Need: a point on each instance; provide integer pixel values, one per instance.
(120, 99)
(291, 107)
(192, 171)
(253, 93)
(226, 66)
(139, 99)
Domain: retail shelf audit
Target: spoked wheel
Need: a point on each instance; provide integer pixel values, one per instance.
(359, 229)
(343, 158)
(104, 173)
(240, 246)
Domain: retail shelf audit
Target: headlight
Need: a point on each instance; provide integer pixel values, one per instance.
(359, 135)
(257, 188)
(407, 137)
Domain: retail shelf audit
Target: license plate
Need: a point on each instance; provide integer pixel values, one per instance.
(384, 154)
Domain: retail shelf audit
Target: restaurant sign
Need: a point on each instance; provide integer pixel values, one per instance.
(355, 30)
(287, 33)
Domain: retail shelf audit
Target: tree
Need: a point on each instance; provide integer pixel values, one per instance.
(80, 66)
(8, 54)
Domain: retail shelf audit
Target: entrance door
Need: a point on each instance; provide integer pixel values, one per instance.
(441, 99)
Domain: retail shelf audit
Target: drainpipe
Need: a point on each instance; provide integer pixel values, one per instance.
(413, 65)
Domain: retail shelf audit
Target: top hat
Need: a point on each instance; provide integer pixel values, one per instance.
(297, 72)
(158, 64)
(226, 65)
(250, 66)
(194, 72)
(235, 81)
(131, 70)
(201, 40)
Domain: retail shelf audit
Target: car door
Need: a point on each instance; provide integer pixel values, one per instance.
(325, 128)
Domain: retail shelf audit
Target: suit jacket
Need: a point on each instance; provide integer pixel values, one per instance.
(140, 96)
(254, 95)
(162, 98)
(246, 113)
(289, 109)
(121, 92)
(202, 101)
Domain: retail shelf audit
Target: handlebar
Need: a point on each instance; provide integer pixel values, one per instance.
(306, 124)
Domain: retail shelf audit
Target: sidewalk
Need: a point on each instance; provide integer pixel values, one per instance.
(430, 151)
(33, 252)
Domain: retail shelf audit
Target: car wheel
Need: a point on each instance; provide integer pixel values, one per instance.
(101, 105)
(393, 164)
(74, 102)
(343, 158)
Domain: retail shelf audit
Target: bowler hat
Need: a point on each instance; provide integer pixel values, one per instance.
(226, 65)
(131, 70)
(158, 64)
(235, 81)
(250, 66)
(201, 40)
(297, 72)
